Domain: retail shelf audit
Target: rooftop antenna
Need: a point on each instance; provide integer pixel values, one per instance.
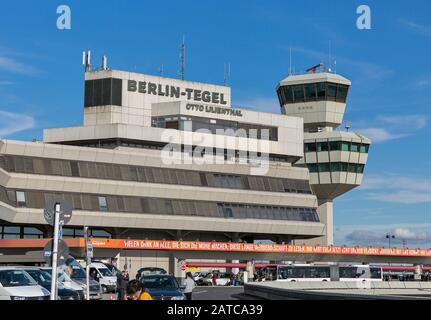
(290, 61)
(330, 57)
(183, 58)
(104, 62)
(348, 126)
(161, 70)
(86, 60)
(226, 73)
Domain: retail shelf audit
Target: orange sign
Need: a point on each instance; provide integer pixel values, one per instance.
(220, 246)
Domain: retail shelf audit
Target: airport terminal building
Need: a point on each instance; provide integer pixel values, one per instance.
(167, 159)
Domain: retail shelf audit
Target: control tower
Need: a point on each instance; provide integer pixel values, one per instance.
(336, 159)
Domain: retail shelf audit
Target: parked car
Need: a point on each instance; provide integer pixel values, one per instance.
(107, 280)
(223, 279)
(114, 270)
(43, 278)
(79, 276)
(200, 275)
(163, 287)
(17, 284)
(67, 282)
(150, 271)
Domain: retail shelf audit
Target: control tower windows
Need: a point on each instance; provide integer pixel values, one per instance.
(321, 91)
(336, 146)
(103, 92)
(310, 92)
(336, 167)
(298, 93)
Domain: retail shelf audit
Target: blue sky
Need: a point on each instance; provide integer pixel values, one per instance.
(41, 79)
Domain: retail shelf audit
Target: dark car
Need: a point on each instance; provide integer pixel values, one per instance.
(163, 287)
(147, 271)
(43, 278)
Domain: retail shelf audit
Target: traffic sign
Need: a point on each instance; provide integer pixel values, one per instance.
(183, 267)
(63, 252)
(65, 211)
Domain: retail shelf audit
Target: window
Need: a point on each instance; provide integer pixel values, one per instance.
(363, 148)
(324, 167)
(103, 92)
(322, 146)
(310, 92)
(20, 199)
(335, 167)
(361, 168)
(332, 91)
(342, 93)
(334, 145)
(298, 93)
(352, 167)
(345, 146)
(310, 147)
(103, 206)
(354, 147)
(321, 90)
(288, 94)
(312, 167)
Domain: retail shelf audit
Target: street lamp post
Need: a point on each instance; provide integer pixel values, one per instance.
(390, 236)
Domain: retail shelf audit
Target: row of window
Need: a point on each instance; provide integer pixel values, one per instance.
(103, 92)
(21, 232)
(322, 91)
(336, 146)
(39, 199)
(336, 167)
(114, 143)
(193, 124)
(150, 175)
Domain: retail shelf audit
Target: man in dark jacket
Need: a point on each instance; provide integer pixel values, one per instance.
(122, 282)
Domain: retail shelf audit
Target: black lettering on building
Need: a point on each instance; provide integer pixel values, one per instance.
(131, 85)
(152, 88)
(142, 87)
(175, 92)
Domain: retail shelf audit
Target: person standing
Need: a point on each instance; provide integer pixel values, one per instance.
(122, 285)
(190, 285)
(136, 291)
(214, 278)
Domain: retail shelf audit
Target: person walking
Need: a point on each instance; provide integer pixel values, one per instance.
(190, 285)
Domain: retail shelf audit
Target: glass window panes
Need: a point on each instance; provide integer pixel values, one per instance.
(324, 167)
(310, 92)
(103, 205)
(345, 146)
(335, 166)
(322, 146)
(352, 167)
(334, 145)
(321, 90)
(310, 147)
(361, 168)
(363, 148)
(332, 91)
(312, 167)
(354, 147)
(342, 93)
(288, 94)
(20, 198)
(298, 93)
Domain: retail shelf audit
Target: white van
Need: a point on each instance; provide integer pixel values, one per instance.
(107, 280)
(17, 284)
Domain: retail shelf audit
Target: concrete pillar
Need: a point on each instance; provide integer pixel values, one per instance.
(325, 210)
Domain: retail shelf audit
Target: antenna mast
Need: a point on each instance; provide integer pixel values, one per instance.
(226, 73)
(290, 61)
(183, 58)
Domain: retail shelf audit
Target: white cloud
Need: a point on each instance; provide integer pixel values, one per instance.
(415, 122)
(369, 71)
(418, 28)
(11, 65)
(380, 135)
(265, 104)
(14, 122)
(414, 234)
(397, 189)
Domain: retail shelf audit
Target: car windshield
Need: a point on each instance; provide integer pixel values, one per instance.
(160, 282)
(16, 278)
(42, 277)
(78, 272)
(105, 272)
(147, 271)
